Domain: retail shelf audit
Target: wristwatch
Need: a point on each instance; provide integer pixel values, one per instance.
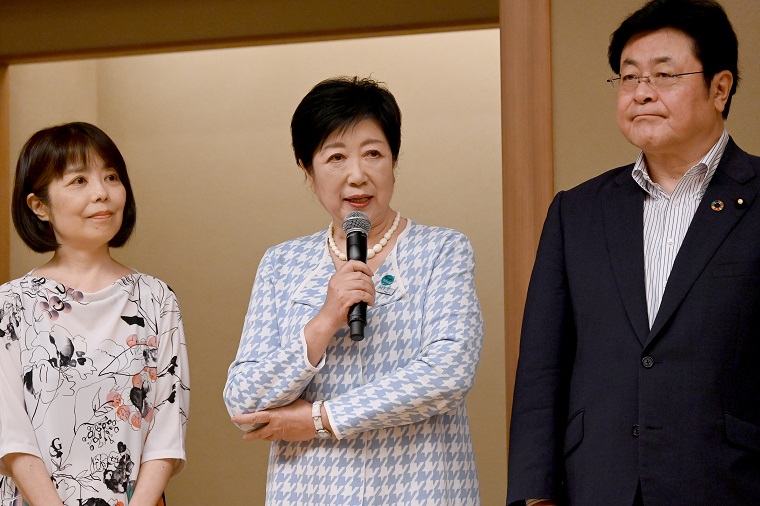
(316, 414)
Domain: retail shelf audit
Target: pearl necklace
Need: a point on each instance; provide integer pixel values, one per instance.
(374, 250)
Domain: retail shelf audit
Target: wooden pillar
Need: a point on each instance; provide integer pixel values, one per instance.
(5, 177)
(527, 155)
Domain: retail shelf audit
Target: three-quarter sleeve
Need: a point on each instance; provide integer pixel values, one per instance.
(443, 371)
(166, 439)
(16, 432)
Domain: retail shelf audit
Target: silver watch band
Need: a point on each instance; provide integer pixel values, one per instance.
(316, 415)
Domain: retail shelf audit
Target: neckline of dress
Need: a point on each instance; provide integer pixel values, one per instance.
(392, 253)
(86, 296)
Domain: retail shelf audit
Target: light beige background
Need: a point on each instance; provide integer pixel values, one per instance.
(207, 143)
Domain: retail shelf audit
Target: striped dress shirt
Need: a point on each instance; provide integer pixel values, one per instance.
(667, 218)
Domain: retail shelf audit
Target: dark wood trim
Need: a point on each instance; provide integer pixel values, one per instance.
(50, 29)
(199, 45)
(527, 151)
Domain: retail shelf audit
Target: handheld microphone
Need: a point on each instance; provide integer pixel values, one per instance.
(356, 225)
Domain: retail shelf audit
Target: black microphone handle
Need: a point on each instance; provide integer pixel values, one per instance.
(356, 249)
(357, 319)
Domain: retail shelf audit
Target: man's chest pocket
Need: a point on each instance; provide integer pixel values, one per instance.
(737, 269)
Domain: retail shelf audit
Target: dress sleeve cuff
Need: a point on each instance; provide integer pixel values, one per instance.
(305, 354)
(333, 425)
(178, 457)
(16, 448)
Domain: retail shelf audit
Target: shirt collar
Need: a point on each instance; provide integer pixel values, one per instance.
(707, 165)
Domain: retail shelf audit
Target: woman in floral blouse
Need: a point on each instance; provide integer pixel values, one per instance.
(94, 386)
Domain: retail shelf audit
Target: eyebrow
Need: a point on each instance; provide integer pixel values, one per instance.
(659, 59)
(332, 145)
(339, 144)
(372, 141)
(78, 167)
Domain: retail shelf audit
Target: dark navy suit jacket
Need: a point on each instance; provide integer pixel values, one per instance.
(603, 403)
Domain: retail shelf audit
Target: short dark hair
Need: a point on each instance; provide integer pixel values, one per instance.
(714, 41)
(338, 103)
(44, 158)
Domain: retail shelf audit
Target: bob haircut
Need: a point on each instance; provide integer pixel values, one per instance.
(713, 38)
(43, 159)
(338, 103)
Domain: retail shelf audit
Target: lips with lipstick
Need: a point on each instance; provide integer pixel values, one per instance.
(358, 200)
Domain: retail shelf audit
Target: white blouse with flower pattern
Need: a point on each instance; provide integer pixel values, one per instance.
(92, 383)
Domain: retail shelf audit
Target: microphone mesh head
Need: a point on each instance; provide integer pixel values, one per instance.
(356, 221)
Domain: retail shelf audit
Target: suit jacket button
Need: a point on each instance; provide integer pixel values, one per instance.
(635, 431)
(647, 362)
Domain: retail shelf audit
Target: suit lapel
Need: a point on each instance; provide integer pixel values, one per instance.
(624, 229)
(708, 229)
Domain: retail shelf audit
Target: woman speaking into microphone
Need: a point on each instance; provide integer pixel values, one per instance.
(382, 419)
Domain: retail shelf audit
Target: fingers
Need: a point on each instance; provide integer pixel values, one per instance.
(263, 429)
(349, 286)
(352, 291)
(357, 266)
(287, 423)
(354, 276)
(257, 417)
(252, 421)
(262, 434)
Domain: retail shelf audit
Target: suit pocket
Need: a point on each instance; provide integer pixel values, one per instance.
(574, 432)
(742, 433)
(737, 269)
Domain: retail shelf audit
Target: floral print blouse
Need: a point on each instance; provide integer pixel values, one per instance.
(92, 383)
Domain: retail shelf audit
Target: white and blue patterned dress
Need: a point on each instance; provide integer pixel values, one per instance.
(395, 400)
(92, 383)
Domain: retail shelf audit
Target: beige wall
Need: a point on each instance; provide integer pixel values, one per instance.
(45, 94)
(586, 139)
(206, 139)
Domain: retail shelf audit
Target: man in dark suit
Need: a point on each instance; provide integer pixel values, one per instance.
(638, 377)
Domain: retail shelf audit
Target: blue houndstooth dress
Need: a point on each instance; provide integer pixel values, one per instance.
(395, 400)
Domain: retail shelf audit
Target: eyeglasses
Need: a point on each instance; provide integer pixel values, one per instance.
(658, 81)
